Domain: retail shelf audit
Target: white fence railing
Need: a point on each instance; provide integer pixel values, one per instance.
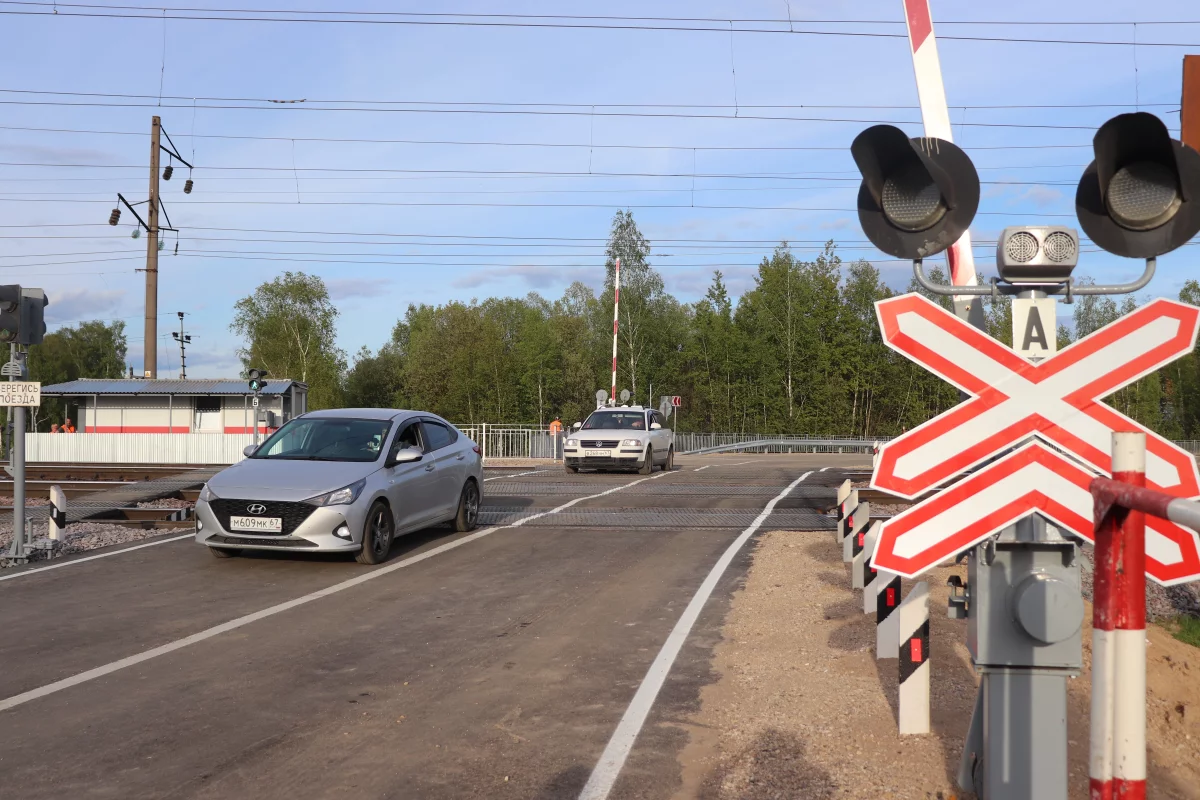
(503, 442)
(495, 442)
(136, 448)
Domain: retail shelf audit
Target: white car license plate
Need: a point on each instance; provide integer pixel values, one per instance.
(271, 524)
(597, 453)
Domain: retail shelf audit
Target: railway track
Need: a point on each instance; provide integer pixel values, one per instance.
(117, 473)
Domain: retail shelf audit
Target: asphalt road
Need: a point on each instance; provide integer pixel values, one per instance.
(497, 666)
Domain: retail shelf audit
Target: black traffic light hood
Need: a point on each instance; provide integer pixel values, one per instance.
(884, 150)
(1123, 140)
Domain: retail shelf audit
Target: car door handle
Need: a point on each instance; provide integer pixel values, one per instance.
(429, 468)
(459, 457)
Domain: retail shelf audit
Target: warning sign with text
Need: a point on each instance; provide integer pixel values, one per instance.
(1035, 326)
(21, 393)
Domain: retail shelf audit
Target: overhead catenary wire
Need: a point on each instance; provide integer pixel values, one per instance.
(542, 112)
(669, 24)
(598, 146)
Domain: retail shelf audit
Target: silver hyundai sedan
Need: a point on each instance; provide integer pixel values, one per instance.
(343, 480)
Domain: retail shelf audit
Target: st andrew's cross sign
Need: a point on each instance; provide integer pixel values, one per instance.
(1055, 402)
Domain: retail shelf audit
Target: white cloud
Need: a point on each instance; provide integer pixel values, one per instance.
(346, 288)
(533, 275)
(83, 304)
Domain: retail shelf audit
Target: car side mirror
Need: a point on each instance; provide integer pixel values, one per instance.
(654, 426)
(577, 426)
(249, 450)
(406, 456)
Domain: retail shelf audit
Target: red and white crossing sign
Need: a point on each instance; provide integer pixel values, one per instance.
(1013, 400)
(1033, 478)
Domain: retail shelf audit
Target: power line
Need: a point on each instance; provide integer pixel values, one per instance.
(538, 113)
(429, 204)
(551, 104)
(488, 173)
(771, 148)
(699, 25)
(470, 15)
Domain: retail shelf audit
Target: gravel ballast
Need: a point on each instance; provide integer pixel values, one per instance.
(802, 708)
(79, 537)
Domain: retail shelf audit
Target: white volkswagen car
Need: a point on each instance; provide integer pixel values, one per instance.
(624, 437)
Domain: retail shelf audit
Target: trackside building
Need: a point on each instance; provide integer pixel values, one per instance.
(178, 406)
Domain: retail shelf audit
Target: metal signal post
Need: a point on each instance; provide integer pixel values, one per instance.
(1140, 198)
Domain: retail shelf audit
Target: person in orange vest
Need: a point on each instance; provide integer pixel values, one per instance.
(556, 427)
(67, 427)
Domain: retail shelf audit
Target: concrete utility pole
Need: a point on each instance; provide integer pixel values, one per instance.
(151, 343)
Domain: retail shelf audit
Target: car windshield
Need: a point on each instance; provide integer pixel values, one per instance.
(327, 439)
(616, 420)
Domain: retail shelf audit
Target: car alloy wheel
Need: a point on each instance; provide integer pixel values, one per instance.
(467, 516)
(381, 533)
(472, 505)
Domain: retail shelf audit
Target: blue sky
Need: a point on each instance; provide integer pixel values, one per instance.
(387, 224)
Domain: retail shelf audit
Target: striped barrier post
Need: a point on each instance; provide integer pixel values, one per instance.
(887, 629)
(859, 520)
(913, 618)
(843, 493)
(861, 571)
(846, 514)
(58, 514)
(1117, 763)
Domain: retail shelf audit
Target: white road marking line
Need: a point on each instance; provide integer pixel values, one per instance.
(233, 624)
(706, 466)
(824, 468)
(519, 474)
(73, 561)
(617, 750)
(738, 464)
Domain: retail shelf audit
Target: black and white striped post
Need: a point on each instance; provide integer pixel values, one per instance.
(861, 572)
(913, 618)
(859, 520)
(887, 600)
(845, 510)
(58, 514)
(839, 510)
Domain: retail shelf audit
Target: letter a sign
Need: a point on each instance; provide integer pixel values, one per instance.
(1051, 412)
(1035, 326)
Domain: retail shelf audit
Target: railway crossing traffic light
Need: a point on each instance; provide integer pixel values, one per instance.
(1140, 197)
(22, 315)
(918, 196)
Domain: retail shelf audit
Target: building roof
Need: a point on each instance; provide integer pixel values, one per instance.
(164, 386)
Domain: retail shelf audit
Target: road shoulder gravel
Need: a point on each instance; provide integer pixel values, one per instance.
(802, 709)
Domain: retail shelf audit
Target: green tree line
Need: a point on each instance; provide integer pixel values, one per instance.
(800, 352)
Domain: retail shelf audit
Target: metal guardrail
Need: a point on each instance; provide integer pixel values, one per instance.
(702, 443)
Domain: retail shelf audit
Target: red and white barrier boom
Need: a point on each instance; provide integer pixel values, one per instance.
(935, 115)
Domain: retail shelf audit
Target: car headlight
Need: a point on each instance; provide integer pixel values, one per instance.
(572, 443)
(339, 497)
(631, 443)
(206, 494)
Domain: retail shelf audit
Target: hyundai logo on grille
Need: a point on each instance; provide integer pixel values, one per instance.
(256, 508)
